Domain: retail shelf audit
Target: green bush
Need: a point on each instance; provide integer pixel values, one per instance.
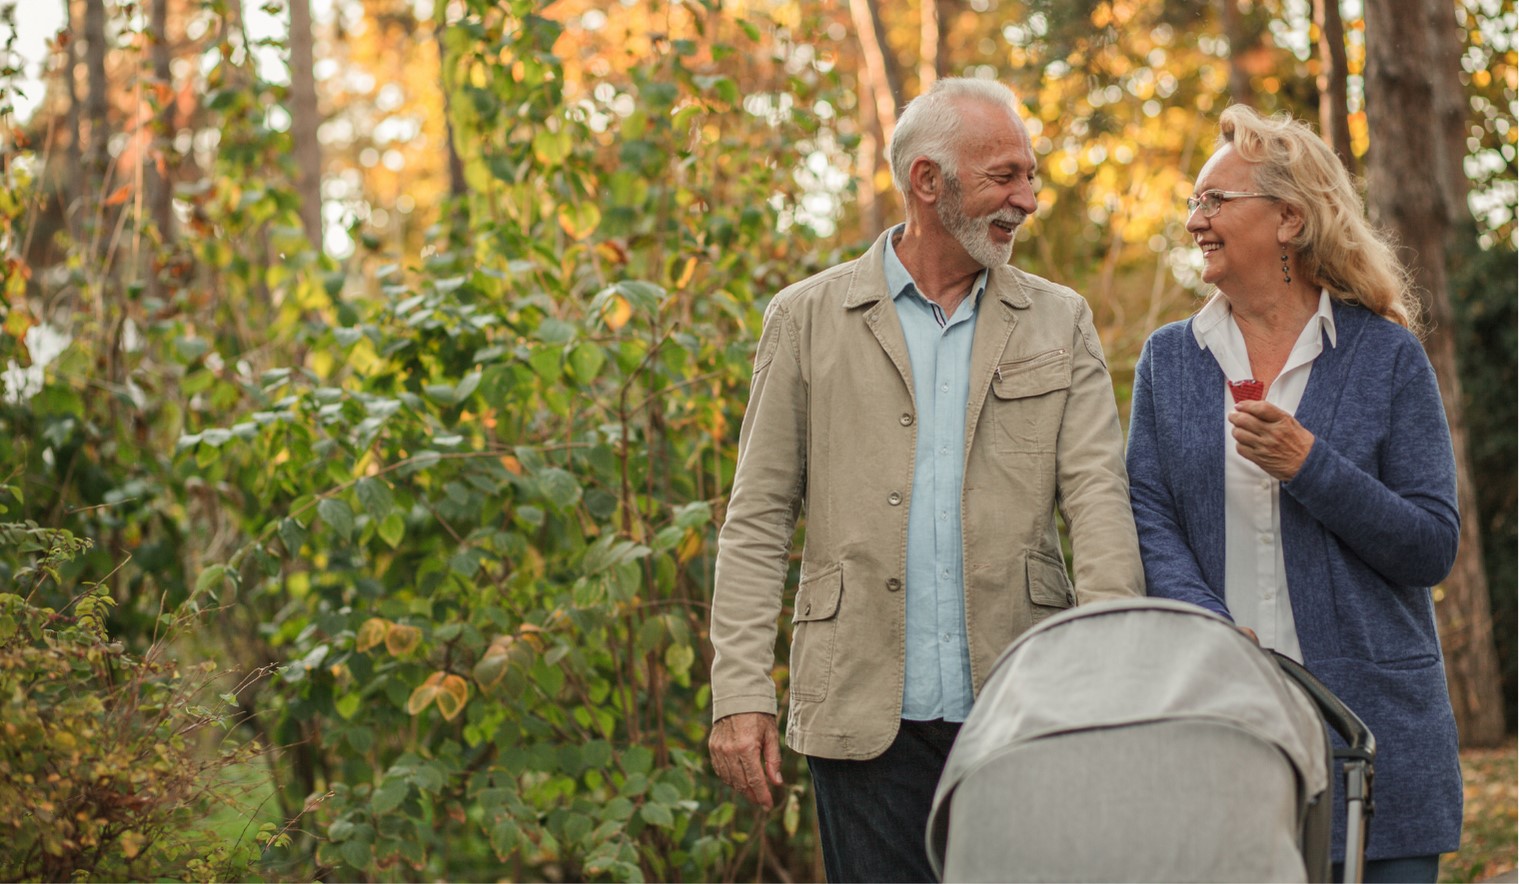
(109, 761)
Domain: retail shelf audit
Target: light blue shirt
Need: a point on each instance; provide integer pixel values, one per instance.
(938, 659)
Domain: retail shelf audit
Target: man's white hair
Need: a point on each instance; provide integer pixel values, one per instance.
(930, 125)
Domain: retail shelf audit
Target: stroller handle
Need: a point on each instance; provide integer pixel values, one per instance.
(1357, 736)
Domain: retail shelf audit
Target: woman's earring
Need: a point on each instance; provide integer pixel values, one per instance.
(1286, 271)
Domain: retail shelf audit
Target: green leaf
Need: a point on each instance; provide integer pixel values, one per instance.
(657, 815)
(393, 529)
(337, 515)
(559, 488)
(638, 759)
(211, 578)
(547, 363)
(293, 536)
(356, 853)
(347, 705)
(586, 361)
(389, 796)
(375, 497)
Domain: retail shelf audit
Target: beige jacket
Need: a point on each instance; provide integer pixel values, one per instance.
(831, 422)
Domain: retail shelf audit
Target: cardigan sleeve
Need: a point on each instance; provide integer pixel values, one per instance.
(1171, 567)
(1403, 521)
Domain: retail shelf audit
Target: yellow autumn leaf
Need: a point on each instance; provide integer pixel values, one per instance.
(453, 692)
(690, 546)
(425, 693)
(687, 270)
(617, 313)
(401, 639)
(371, 634)
(132, 843)
(579, 219)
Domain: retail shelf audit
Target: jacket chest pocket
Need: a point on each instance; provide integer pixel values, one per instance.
(815, 625)
(1028, 401)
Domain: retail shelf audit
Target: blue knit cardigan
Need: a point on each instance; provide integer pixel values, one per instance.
(1369, 524)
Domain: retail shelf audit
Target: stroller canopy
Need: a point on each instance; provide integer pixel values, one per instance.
(1109, 670)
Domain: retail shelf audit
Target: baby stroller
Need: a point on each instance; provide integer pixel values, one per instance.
(1148, 740)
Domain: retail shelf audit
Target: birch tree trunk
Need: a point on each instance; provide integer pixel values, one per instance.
(930, 41)
(1408, 196)
(305, 120)
(880, 65)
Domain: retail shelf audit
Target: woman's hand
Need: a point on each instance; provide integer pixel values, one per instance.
(1270, 438)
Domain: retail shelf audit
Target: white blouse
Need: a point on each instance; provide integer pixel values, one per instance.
(1255, 570)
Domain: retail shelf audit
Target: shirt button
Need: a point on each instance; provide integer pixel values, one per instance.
(894, 498)
(948, 637)
(893, 584)
(1265, 484)
(1265, 538)
(906, 420)
(944, 450)
(944, 388)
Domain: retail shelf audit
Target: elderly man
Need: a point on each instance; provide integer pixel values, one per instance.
(931, 406)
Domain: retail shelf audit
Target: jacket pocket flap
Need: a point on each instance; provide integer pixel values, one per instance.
(1048, 583)
(1034, 376)
(818, 597)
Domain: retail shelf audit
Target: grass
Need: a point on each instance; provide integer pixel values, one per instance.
(1490, 836)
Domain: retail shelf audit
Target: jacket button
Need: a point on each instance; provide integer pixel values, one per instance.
(907, 420)
(894, 498)
(807, 610)
(893, 584)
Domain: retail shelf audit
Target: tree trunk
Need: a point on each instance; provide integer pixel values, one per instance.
(880, 65)
(159, 184)
(1451, 122)
(1334, 106)
(305, 119)
(1239, 79)
(930, 39)
(69, 183)
(868, 160)
(96, 103)
(457, 187)
(1406, 197)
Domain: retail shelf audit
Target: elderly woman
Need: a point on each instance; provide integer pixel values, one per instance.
(1291, 468)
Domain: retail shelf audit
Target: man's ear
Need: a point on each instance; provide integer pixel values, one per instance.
(926, 178)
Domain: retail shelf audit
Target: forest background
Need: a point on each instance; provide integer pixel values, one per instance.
(372, 372)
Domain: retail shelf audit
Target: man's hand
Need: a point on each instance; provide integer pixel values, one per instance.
(746, 754)
(1270, 438)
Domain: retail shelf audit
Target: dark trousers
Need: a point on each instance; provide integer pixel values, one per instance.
(873, 815)
(1403, 870)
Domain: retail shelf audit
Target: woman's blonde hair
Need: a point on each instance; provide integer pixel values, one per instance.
(1337, 247)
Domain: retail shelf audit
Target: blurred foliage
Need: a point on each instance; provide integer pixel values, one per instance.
(1487, 338)
(455, 480)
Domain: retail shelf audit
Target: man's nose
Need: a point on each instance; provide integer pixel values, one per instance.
(1024, 200)
(1196, 220)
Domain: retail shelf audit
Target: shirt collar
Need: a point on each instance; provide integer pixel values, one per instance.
(900, 282)
(1216, 310)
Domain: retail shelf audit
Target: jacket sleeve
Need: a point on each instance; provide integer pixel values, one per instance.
(755, 542)
(1091, 484)
(1403, 521)
(1171, 568)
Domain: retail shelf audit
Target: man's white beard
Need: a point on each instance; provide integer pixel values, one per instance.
(974, 234)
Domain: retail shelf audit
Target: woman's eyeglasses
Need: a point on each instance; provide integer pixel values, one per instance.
(1211, 201)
